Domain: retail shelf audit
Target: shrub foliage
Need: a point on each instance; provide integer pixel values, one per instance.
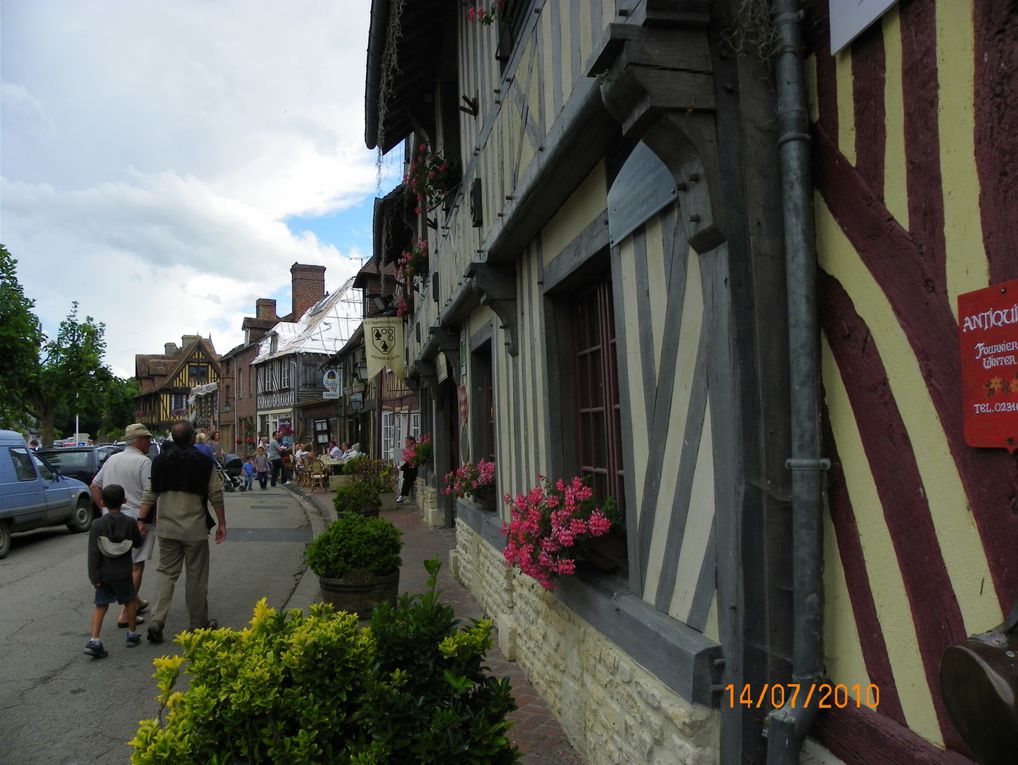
(356, 542)
(296, 688)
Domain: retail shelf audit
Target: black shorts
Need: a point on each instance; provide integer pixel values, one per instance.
(119, 590)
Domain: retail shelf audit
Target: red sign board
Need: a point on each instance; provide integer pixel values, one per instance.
(988, 335)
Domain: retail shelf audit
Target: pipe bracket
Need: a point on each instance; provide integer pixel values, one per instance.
(822, 463)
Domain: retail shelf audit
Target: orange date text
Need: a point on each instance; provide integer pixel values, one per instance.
(793, 695)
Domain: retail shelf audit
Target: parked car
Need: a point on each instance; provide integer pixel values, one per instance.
(81, 462)
(33, 493)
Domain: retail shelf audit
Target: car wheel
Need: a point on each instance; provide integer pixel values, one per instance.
(82, 518)
(5, 539)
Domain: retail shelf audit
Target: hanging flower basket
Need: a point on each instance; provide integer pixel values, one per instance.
(414, 260)
(431, 176)
(421, 453)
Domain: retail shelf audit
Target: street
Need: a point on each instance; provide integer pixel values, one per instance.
(60, 706)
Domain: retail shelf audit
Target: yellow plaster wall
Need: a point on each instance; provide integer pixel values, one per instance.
(576, 213)
(967, 267)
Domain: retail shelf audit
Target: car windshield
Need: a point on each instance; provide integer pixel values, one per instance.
(69, 461)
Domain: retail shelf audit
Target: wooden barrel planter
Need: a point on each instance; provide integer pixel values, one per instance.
(360, 591)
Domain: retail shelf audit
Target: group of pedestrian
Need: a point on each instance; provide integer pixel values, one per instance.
(179, 483)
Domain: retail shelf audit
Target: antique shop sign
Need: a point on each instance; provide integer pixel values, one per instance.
(988, 333)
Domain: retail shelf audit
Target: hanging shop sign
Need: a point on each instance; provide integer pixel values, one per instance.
(333, 384)
(383, 345)
(988, 334)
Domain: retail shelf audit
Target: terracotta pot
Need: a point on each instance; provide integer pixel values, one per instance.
(359, 591)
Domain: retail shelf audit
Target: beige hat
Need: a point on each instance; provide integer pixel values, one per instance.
(136, 430)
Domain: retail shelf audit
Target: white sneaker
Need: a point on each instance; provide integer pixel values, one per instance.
(400, 500)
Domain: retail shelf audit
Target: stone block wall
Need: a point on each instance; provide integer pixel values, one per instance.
(427, 501)
(611, 708)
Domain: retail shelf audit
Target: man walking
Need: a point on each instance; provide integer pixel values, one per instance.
(276, 451)
(131, 469)
(182, 480)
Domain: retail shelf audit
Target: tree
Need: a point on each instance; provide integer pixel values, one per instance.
(71, 371)
(21, 338)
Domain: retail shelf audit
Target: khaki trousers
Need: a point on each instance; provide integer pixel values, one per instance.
(194, 556)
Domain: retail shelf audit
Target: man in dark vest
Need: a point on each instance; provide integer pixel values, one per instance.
(183, 480)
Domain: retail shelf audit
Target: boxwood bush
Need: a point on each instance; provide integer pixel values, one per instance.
(295, 688)
(357, 497)
(355, 542)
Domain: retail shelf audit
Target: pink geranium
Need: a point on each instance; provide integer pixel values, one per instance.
(548, 523)
(470, 479)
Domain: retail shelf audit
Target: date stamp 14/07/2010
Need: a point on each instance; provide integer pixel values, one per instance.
(793, 695)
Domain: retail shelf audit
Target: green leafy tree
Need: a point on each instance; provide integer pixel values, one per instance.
(21, 337)
(70, 372)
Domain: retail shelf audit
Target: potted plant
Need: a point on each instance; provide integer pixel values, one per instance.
(474, 481)
(431, 176)
(381, 474)
(357, 562)
(358, 496)
(549, 526)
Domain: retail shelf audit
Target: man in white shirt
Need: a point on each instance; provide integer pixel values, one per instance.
(132, 469)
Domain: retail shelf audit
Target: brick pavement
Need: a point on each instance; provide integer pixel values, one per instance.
(536, 732)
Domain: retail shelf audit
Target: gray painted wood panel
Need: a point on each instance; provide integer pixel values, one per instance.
(679, 506)
(706, 585)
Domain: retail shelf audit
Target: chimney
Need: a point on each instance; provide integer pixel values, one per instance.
(265, 308)
(307, 286)
(169, 349)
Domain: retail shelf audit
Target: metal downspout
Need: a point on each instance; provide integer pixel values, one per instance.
(788, 727)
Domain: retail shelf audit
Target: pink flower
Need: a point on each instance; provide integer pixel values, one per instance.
(548, 524)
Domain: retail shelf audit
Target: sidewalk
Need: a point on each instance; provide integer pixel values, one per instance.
(537, 733)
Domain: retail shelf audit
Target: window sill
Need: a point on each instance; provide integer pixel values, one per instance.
(685, 660)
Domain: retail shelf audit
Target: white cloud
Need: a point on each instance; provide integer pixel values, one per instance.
(152, 151)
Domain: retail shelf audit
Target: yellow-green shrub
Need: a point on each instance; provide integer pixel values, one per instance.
(317, 688)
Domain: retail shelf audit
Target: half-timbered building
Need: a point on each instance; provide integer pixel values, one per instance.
(166, 380)
(627, 281)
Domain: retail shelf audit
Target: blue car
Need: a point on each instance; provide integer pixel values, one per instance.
(34, 494)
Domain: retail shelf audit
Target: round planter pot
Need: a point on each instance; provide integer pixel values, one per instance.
(359, 591)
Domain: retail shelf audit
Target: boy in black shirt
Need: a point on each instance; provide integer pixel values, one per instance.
(110, 542)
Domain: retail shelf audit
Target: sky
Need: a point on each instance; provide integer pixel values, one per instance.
(165, 163)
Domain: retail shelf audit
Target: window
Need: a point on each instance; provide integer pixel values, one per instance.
(596, 391)
(311, 376)
(22, 464)
(198, 374)
(178, 403)
(389, 434)
(240, 385)
(415, 425)
(284, 373)
(510, 28)
(482, 406)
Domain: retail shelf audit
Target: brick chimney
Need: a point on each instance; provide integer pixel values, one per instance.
(265, 308)
(169, 349)
(308, 287)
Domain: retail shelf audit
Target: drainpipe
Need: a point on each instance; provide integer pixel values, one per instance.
(787, 727)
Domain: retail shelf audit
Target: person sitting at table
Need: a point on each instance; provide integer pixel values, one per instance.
(334, 451)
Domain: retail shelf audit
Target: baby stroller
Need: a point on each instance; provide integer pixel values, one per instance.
(230, 471)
